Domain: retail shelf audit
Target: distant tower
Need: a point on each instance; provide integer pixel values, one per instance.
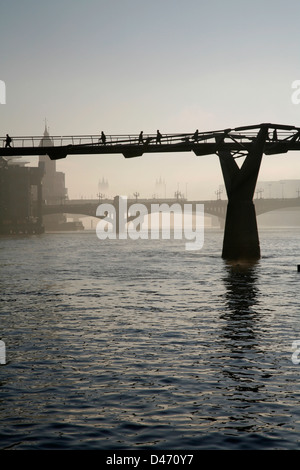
(54, 190)
(160, 187)
(49, 165)
(103, 185)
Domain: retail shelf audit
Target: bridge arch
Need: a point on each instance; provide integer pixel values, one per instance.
(216, 208)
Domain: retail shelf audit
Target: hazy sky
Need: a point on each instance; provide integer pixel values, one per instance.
(122, 66)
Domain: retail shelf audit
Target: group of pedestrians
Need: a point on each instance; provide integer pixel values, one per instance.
(8, 139)
(159, 137)
(141, 138)
(148, 139)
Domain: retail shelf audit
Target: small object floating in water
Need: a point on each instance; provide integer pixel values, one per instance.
(298, 266)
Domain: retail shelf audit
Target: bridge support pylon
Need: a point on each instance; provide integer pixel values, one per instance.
(241, 240)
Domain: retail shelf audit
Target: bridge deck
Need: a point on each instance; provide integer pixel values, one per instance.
(239, 140)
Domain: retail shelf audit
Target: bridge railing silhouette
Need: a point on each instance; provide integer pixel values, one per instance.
(95, 140)
(240, 136)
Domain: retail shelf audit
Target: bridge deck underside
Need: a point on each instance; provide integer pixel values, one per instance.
(133, 150)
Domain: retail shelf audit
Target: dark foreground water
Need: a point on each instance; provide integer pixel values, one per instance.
(144, 345)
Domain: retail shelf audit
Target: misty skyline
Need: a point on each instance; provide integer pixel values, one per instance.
(126, 66)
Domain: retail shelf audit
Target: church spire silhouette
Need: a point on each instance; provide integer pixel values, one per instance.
(46, 131)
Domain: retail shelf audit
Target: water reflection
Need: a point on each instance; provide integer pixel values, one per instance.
(241, 285)
(240, 314)
(241, 375)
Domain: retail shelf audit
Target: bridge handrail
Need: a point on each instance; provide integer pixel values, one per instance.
(119, 139)
(242, 135)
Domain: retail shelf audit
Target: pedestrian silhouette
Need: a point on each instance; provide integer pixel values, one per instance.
(103, 138)
(141, 141)
(196, 136)
(158, 137)
(8, 141)
(275, 134)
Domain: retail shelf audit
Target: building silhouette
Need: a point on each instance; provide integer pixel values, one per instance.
(20, 198)
(54, 190)
(160, 187)
(103, 185)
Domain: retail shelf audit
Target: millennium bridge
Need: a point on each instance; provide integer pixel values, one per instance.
(241, 240)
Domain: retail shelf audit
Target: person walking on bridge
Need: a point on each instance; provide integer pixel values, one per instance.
(196, 136)
(103, 138)
(8, 141)
(158, 137)
(141, 141)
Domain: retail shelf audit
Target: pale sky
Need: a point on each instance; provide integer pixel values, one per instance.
(123, 66)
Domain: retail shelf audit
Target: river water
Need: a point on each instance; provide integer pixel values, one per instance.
(123, 344)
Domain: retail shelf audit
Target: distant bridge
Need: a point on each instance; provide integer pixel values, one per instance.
(211, 207)
(89, 207)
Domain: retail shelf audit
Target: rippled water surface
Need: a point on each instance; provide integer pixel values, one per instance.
(142, 344)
